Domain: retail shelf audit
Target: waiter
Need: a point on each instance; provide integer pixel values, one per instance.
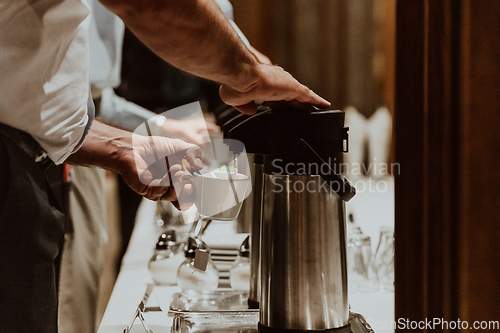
(46, 118)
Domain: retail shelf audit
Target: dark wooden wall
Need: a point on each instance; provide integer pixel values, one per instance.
(479, 156)
(447, 116)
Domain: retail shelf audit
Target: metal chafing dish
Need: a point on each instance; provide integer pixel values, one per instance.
(212, 311)
(225, 311)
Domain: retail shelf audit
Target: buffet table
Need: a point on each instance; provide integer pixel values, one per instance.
(371, 210)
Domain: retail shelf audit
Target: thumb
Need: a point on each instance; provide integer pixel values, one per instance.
(193, 156)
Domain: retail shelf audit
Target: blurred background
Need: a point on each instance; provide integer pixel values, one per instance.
(343, 49)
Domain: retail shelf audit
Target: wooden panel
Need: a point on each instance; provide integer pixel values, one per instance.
(441, 148)
(409, 152)
(479, 210)
(426, 125)
(447, 143)
(332, 53)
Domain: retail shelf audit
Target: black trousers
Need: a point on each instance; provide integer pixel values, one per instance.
(31, 236)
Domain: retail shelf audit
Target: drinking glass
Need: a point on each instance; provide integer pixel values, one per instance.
(384, 258)
(360, 266)
(168, 217)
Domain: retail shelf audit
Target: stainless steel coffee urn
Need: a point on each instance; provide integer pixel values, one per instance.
(301, 218)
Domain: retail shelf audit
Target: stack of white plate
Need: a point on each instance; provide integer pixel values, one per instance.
(224, 242)
(223, 260)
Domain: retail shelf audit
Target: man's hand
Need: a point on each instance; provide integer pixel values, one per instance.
(274, 84)
(151, 166)
(156, 170)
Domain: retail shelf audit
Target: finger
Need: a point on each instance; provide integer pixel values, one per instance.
(289, 86)
(146, 177)
(276, 84)
(193, 156)
(147, 172)
(178, 174)
(157, 169)
(181, 186)
(170, 196)
(171, 148)
(206, 151)
(235, 98)
(158, 187)
(178, 182)
(310, 97)
(176, 178)
(248, 109)
(154, 191)
(191, 152)
(186, 198)
(188, 188)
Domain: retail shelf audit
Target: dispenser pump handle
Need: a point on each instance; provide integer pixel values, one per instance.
(338, 183)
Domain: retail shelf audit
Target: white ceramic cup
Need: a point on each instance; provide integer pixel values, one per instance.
(220, 194)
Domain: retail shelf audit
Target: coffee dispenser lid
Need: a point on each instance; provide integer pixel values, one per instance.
(290, 138)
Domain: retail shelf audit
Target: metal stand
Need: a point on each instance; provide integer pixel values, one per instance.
(140, 310)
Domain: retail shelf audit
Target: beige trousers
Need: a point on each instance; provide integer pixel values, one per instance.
(82, 256)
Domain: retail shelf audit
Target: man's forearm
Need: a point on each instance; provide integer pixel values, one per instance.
(103, 147)
(136, 160)
(193, 35)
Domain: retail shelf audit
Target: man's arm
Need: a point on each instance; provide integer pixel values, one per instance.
(195, 36)
(151, 166)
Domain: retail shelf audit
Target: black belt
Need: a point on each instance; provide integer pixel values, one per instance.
(29, 145)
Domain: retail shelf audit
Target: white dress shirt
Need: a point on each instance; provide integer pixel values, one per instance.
(44, 78)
